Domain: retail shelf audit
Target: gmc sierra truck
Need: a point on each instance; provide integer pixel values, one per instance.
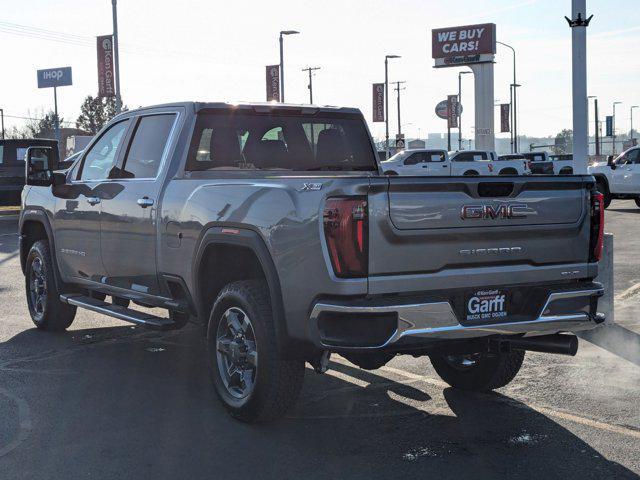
(619, 178)
(274, 228)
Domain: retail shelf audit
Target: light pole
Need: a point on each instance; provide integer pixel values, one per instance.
(116, 54)
(514, 103)
(613, 127)
(595, 114)
(459, 112)
(397, 89)
(516, 140)
(282, 33)
(630, 132)
(386, 102)
(310, 86)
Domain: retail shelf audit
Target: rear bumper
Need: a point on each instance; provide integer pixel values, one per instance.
(421, 324)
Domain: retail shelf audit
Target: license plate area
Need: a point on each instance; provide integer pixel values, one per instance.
(487, 305)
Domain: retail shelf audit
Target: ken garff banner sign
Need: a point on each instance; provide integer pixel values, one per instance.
(54, 77)
(273, 83)
(378, 102)
(455, 46)
(106, 85)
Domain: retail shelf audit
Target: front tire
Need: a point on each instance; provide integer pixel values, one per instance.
(252, 379)
(478, 372)
(43, 298)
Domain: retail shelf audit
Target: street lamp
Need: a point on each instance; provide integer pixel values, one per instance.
(613, 126)
(514, 103)
(595, 114)
(459, 112)
(386, 102)
(516, 141)
(282, 33)
(631, 132)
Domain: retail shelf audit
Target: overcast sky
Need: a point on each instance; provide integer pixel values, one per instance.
(212, 50)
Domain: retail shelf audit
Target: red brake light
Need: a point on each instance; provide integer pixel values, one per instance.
(597, 226)
(346, 233)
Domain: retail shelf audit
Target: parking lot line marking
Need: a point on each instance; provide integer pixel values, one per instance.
(24, 422)
(629, 292)
(543, 410)
(8, 234)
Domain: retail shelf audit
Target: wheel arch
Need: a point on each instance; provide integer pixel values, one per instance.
(508, 171)
(239, 254)
(602, 179)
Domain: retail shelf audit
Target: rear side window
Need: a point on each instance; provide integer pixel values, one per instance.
(147, 147)
(243, 141)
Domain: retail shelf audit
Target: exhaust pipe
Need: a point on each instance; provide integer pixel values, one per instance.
(559, 344)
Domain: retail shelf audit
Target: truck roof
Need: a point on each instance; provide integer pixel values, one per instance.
(254, 106)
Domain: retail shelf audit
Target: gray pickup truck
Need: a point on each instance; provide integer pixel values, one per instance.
(274, 228)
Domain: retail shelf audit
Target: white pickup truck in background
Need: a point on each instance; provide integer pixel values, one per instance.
(544, 162)
(619, 178)
(434, 162)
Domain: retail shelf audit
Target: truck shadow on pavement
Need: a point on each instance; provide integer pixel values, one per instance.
(124, 402)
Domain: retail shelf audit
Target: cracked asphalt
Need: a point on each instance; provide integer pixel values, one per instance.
(107, 400)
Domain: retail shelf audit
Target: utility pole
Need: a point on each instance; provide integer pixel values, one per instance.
(386, 102)
(116, 54)
(459, 112)
(282, 33)
(613, 127)
(310, 86)
(397, 89)
(56, 122)
(630, 132)
(2, 118)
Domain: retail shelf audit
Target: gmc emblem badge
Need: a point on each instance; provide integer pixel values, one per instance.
(490, 212)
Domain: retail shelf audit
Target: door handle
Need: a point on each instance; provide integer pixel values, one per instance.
(93, 200)
(145, 202)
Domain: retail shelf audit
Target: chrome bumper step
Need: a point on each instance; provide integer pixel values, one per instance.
(115, 311)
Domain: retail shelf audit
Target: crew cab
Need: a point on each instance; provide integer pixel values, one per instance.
(426, 162)
(274, 229)
(619, 178)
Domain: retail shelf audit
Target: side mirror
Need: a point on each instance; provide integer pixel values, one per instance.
(40, 163)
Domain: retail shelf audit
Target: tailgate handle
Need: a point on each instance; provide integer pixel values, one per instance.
(503, 189)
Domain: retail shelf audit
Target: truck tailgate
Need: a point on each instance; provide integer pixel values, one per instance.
(435, 226)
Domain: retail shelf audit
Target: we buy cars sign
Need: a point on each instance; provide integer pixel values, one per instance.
(463, 45)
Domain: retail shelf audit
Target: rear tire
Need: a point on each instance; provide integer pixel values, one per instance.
(470, 173)
(391, 172)
(246, 365)
(602, 187)
(637, 200)
(43, 298)
(478, 372)
(508, 171)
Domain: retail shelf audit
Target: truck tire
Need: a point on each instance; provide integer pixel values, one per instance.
(470, 173)
(603, 188)
(478, 372)
(508, 171)
(252, 379)
(391, 172)
(637, 200)
(43, 298)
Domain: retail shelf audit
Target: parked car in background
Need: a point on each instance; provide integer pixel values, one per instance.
(12, 154)
(435, 162)
(562, 163)
(619, 178)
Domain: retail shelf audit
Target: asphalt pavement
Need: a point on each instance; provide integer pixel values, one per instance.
(108, 400)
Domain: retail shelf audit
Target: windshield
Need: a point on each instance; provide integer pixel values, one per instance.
(242, 141)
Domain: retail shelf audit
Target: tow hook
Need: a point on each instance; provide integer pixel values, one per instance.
(321, 362)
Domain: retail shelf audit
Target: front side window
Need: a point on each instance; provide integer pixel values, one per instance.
(100, 159)
(239, 141)
(414, 159)
(147, 147)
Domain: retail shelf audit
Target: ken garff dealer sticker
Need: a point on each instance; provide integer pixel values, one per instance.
(487, 305)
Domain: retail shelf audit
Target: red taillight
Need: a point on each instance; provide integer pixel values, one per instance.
(597, 226)
(346, 233)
